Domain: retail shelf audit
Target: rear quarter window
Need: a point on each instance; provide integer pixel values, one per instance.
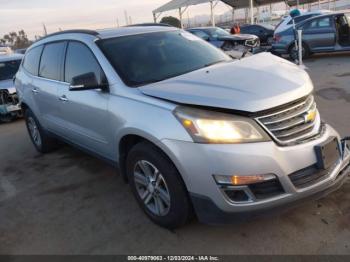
(32, 59)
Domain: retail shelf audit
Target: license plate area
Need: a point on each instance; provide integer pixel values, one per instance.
(327, 153)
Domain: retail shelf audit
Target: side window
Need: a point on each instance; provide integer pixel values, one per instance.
(299, 19)
(51, 61)
(81, 61)
(318, 23)
(325, 22)
(32, 59)
(200, 34)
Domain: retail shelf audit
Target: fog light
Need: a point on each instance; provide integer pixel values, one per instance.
(242, 180)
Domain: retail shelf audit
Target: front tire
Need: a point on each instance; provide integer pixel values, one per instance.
(42, 142)
(157, 186)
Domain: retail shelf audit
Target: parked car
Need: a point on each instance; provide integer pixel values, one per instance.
(21, 51)
(5, 50)
(326, 33)
(190, 129)
(287, 21)
(239, 43)
(264, 32)
(9, 104)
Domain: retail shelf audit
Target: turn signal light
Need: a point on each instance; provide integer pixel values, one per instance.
(243, 180)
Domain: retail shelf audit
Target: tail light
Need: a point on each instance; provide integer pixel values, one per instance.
(277, 38)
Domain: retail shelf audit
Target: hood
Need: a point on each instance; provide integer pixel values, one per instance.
(255, 83)
(238, 37)
(8, 84)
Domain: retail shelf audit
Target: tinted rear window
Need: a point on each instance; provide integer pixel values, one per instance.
(9, 69)
(51, 61)
(31, 60)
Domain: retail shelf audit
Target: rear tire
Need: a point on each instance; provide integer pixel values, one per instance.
(157, 186)
(294, 55)
(42, 142)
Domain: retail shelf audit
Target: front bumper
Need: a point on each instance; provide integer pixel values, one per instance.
(9, 104)
(9, 108)
(199, 162)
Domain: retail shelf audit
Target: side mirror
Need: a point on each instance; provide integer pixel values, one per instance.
(87, 81)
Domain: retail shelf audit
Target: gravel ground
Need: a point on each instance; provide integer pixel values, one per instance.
(67, 202)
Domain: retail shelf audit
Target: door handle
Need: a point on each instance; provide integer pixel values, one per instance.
(63, 98)
(35, 91)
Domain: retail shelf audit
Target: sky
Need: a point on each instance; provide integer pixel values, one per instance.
(83, 14)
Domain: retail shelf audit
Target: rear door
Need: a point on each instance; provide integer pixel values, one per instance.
(319, 34)
(83, 114)
(44, 87)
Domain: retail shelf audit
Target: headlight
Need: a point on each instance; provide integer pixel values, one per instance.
(213, 127)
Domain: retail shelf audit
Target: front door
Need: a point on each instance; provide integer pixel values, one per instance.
(320, 34)
(84, 114)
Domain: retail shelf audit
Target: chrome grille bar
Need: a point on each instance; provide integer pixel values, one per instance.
(293, 124)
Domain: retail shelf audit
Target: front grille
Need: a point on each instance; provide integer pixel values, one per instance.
(7, 98)
(309, 176)
(293, 123)
(252, 42)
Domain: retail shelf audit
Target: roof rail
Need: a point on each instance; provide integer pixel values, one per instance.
(73, 31)
(150, 24)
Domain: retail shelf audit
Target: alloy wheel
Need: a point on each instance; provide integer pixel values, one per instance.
(34, 131)
(152, 188)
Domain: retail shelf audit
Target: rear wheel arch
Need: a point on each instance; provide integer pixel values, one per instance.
(305, 45)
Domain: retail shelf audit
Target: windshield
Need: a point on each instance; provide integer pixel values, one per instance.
(9, 69)
(217, 32)
(152, 57)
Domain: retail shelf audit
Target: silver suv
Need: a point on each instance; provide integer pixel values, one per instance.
(191, 130)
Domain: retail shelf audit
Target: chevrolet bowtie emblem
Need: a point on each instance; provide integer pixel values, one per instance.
(310, 116)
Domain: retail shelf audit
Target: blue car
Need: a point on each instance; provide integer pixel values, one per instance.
(223, 39)
(321, 34)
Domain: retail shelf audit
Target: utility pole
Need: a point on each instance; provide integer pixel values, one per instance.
(130, 20)
(180, 16)
(188, 19)
(126, 17)
(117, 22)
(45, 31)
(212, 13)
(252, 12)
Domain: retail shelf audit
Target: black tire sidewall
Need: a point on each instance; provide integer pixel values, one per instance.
(28, 113)
(48, 144)
(292, 52)
(180, 207)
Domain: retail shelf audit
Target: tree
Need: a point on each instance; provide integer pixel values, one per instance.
(170, 20)
(16, 40)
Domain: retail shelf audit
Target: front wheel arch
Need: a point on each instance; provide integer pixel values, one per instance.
(128, 141)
